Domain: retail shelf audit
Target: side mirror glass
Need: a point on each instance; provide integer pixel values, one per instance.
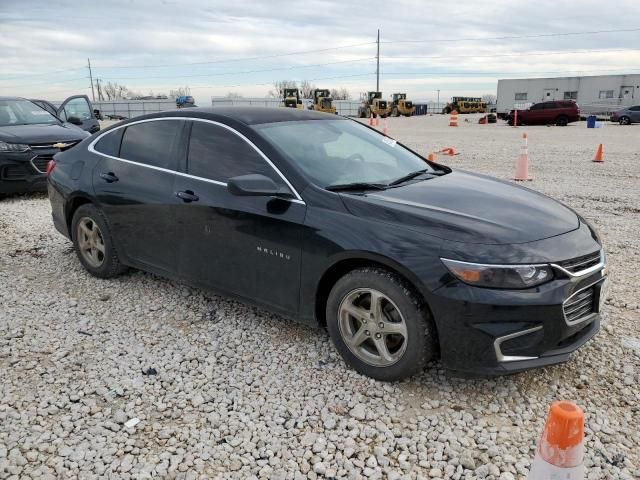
(255, 185)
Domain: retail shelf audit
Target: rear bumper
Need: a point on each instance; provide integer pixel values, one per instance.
(485, 331)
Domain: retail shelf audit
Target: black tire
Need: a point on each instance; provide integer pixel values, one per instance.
(110, 265)
(421, 343)
(562, 121)
(625, 120)
(395, 112)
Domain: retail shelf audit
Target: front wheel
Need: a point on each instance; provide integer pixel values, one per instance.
(562, 121)
(395, 112)
(93, 243)
(625, 121)
(379, 325)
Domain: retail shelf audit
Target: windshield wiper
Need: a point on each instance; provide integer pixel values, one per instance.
(355, 186)
(411, 175)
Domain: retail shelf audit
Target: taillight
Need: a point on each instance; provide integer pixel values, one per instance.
(50, 166)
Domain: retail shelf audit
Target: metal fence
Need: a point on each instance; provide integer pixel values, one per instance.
(133, 108)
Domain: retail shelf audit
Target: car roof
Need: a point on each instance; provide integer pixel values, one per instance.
(11, 98)
(250, 115)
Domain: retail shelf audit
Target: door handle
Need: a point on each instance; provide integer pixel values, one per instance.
(109, 177)
(187, 196)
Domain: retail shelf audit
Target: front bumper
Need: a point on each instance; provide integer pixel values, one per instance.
(490, 331)
(23, 172)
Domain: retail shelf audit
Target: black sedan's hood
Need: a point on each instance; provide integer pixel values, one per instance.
(467, 207)
(31, 134)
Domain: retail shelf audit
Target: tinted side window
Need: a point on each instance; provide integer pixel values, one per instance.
(219, 154)
(537, 106)
(152, 143)
(109, 144)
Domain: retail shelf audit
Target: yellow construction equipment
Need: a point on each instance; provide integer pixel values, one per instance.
(373, 104)
(401, 106)
(291, 98)
(465, 105)
(322, 101)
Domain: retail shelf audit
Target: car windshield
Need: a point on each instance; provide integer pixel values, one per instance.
(341, 152)
(24, 112)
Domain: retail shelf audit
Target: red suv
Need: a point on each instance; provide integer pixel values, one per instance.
(559, 112)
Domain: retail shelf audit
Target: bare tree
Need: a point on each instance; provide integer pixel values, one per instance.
(340, 94)
(306, 89)
(233, 95)
(114, 91)
(280, 85)
(180, 92)
(489, 98)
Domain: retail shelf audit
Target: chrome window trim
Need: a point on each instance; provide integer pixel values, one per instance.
(586, 317)
(512, 358)
(92, 149)
(599, 266)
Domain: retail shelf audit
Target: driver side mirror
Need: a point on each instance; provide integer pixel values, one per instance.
(256, 185)
(74, 120)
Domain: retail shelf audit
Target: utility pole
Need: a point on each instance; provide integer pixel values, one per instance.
(378, 64)
(438, 107)
(93, 94)
(100, 97)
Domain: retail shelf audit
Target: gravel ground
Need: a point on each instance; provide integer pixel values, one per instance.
(223, 390)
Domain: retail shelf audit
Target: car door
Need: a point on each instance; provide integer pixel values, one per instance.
(133, 183)
(78, 110)
(535, 114)
(635, 113)
(247, 246)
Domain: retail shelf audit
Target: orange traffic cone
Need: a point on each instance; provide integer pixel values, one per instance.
(453, 120)
(431, 157)
(371, 120)
(515, 118)
(384, 125)
(522, 166)
(377, 120)
(598, 156)
(560, 450)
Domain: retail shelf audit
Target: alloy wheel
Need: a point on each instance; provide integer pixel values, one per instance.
(90, 242)
(372, 327)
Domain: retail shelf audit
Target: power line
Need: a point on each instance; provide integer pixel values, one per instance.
(521, 54)
(43, 73)
(76, 79)
(514, 37)
(244, 72)
(244, 59)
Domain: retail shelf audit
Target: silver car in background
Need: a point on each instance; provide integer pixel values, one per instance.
(627, 116)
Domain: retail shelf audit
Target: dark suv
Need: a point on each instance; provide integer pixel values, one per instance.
(558, 112)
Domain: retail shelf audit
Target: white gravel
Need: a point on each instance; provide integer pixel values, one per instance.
(222, 390)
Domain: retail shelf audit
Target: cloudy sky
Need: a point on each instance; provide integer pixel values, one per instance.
(216, 47)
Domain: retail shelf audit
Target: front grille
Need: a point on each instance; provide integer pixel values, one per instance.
(40, 162)
(580, 305)
(581, 263)
(39, 146)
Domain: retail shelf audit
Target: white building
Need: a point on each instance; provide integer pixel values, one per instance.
(598, 94)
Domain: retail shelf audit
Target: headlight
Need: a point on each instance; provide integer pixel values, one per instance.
(13, 147)
(499, 276)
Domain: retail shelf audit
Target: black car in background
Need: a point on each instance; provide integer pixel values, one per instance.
(322, 219)
(76, 109)
(29, 137)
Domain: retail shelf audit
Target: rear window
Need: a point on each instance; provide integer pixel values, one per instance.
(151, 143)
(109, 144)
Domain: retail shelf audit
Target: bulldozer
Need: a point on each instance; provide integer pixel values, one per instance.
(401, 106)
(465, 105)
(291, 98)
(322, 101)
(373, 104)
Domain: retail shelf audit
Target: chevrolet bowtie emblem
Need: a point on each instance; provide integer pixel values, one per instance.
(61, 145)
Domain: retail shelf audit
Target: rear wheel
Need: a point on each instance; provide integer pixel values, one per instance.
(562, 121)
(625, 121)
(93, 243)
(379, 325)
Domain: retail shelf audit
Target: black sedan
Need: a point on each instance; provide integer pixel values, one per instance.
(29, 137)
(324, 220)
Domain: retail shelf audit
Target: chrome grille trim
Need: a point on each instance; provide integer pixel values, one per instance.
(580, 305)
(512, 358)
(580, 273)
